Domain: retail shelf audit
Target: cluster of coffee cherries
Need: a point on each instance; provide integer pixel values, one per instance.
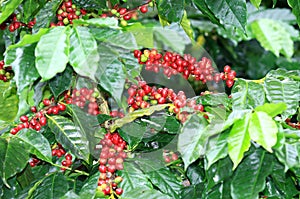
(187, 65)
(111, 159)
(116, 113)
(169, 156)
(13, 23)
(37, 119)
(67, 12)
(143, 96)
(228, 75)
(6, 73)
(59, 151)
(33, 161)
(85, 99)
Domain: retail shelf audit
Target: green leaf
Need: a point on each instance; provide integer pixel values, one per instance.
(9, 164)
(249, 178)
(83, 52)
(29, 39)
(295, 5)
(36, 143)
(54, 185)
(192, 139)
(90, 4)
(140, 192)
(277, 14)
(166, 181)
(170, 38)
(202, 6)
(61, 82)
(256, 3)
(8, 8)
(263, 130)
(247, 95)
(133, 178)
(239, 140)
(89, 188)
(133, 133)
(8, 101)
(99, 22)
(217, 149)
(46, 15)
(123, 40)
(113, 79)
(229, 12)
(24, 67)
(193, 191)
(172, 11)
(141, 32)
(289, 155)
(273, 37)
(69, 136)
(186, 25)
(286, 91)
(52, 52)
(272, 109)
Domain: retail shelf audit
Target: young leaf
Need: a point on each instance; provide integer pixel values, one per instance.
(273, 37)
(249, 178)
(8, 8)
(36, 144)
(186, 25)
(239, 140)
(263, 130)
(229, 12)
(192, 139)
(52, 52)
(69, 136)
(83, 52)
(295, 5)
(272, 109)
(256, 3)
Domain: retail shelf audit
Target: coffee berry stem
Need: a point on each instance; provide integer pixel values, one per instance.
(175, 162)
(69, 169)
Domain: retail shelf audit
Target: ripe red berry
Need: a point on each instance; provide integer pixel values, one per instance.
(227, 69)
(119, 191)
(55, 110)
(43, 121)
(23, 118)
(33, 109)
(11, 28)
(127, 17)
(46, 102)
(61, 107)
(122, 11)
(144, 9)
(102, 168)
(14, 131)
(229, 83)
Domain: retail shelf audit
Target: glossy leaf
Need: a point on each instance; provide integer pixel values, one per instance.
(202, 6)
(100, 22)
(170, 38)
(249, 178)
(46, 15)
(61, 82)
(171, 11)
(69, 136)
(217, 148)
(8, 101)
(52, 52)
(166, 181)
(239, 140)
(83, 52)
(36, 143)
(295, 5)
(8, 8)
(89, 188)
(91, 4)
(272, 109)
(286, 91)
(24, 67)
(9, 164)
(289, 155)
(141, 32)
(186, 25)
(276, 14)
(247, 95)
(133, 178)
(29, 39)
(140, 192)
(192, 139)
(263, 130)
(272, 37)
(122, 40)
(229, 12)
(54, 185)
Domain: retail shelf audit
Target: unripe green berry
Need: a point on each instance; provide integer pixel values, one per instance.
(144, 58)
(95, 94)
(2, 72)
(60, 11)
(66, 21)
(123, 23)
(153, 102)
(78, 13)
(114, 11)
(146, 97)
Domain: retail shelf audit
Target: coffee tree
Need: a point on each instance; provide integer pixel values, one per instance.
(149, 99)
